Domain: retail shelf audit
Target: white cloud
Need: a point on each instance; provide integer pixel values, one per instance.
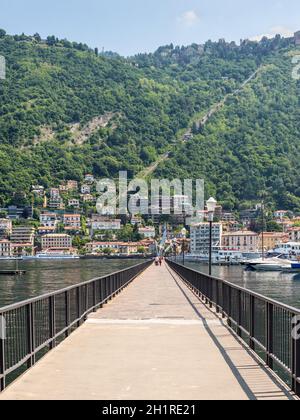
(281, 30)
(189, 18)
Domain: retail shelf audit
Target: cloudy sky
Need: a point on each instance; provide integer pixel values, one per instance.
(132, 26)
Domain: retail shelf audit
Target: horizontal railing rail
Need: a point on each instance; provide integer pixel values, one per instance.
(271, 329)
(31, 328)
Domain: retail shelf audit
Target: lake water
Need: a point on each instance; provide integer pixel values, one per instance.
(50, 275)
(282, 287)
(45, 276)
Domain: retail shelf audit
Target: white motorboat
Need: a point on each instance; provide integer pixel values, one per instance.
(269, 264)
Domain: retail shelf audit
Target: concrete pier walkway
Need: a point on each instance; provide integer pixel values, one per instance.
(156, 340)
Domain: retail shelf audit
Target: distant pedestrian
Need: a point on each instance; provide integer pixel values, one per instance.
(157, 261)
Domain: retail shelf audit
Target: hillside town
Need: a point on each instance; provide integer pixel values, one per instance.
(63, 222)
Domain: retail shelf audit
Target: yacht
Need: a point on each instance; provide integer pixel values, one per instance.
(289, 250)
(219, 256)
(269, 264)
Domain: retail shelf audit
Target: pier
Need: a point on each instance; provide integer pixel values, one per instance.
(159, 333)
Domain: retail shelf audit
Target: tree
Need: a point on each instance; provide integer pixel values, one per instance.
(2, 33)
(37, 37)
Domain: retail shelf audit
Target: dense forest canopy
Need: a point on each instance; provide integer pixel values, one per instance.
(66, 110)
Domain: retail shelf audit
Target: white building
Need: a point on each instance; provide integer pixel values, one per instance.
(200, 235)
(147, 232)
(85, 189)
(74, 203)
(48, 219)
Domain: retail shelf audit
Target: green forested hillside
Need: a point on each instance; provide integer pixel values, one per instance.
(56, 91)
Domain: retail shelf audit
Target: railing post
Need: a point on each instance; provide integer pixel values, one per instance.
(269, 329)
(2, 355)
(252, 322)
(30, 334)
(78, 301)
(223, 301)
(94, 296)
(67, 313)
(52, 320)
(229, 306)
(239, 320)
(296, 356)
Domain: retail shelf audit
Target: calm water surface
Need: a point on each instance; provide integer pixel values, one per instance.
(50, 275)
(281, 287)
(47, 276)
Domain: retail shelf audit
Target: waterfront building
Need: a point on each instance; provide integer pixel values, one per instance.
(5, 248)
(147, 232)
(243, 241)
(272, 239)
(23, 235)
(200, 237)
(57, 242)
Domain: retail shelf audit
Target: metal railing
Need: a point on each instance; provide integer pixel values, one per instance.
(267, 326)
(31, 328)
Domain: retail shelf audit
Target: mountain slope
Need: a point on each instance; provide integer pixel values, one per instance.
(251, 145)
(65, 111)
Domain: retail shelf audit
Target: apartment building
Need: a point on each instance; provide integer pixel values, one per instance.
(48, 219)
(200, 237)
(57, 242)
(72, 221)
(243, 241)
(23, 235)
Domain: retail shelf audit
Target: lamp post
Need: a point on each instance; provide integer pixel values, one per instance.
(211, 205)
(183, 233)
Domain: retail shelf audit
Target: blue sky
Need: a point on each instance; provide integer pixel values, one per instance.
(132, 26)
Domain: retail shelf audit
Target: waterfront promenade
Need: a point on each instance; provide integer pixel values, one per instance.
(155, 340)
